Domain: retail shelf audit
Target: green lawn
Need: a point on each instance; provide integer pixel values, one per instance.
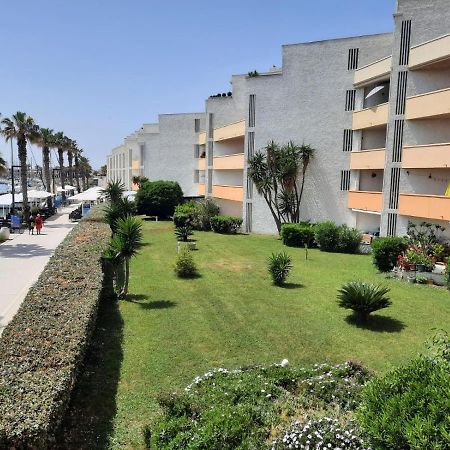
(171, 329)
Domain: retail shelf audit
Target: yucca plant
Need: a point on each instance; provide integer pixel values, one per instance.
(280, 264)
(114, 191)
(363, 298)
(182, 233)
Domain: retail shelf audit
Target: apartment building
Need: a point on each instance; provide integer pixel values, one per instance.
(376, 109)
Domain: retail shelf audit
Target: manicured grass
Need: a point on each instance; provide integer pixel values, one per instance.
(172, 329)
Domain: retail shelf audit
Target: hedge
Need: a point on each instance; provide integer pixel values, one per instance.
(297, 234)
(226, 224)
(42, 348)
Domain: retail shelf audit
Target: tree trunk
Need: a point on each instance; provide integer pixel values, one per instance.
(61, 171)
(83, 180)
(46, 164)
(22, 145)
(70, 159)
(127, 276)
(77, 173)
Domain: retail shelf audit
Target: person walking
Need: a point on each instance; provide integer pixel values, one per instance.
(39, 222)
(31, 224)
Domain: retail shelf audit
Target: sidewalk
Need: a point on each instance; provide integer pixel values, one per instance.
(22, 260)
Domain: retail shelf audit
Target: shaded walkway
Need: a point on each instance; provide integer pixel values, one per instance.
(22, 260)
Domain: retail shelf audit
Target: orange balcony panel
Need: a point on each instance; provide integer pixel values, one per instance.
(368, 159)
(202, 138)
(429, 53)
(135, 165)
(231, 131)
(435, 207)
(377, 71)
(428, 106)
(365, 200)
(432, 156)
(227, 192)
(201, 189)
(374, 117)
(229, 162)
(201, 164)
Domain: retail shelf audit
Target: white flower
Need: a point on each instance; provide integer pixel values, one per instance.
(284, 363)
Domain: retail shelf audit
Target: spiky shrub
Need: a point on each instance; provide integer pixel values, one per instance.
(185, 265)
(182, 233)
(114, 191)
(280, 264)
(118, 210)
(363, 298)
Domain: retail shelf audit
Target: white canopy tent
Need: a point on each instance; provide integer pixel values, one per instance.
(90, 195)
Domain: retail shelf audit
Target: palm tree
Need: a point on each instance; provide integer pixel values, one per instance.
(77, 153)
(2, 166)
(126, 243)
(86, 170)
(70, 154)
(114, 191)
(22, 128)
(46, 141)
(61, 143)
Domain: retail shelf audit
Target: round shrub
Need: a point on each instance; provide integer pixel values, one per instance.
(408, 408)
(184, 264)
(297, 234)
(158, 198)
(349, 239)
(280, 264)
(327, 236)
(363, 298)
(225, 224)
(386, 250)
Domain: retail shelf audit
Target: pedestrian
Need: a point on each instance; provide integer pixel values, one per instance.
(39, 221)
(31, 223)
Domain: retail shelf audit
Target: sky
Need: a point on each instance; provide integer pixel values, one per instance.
(98, 69)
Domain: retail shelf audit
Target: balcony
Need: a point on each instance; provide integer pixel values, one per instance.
(202, 138)
(201, 163)
(365, 201)
(430, 53)
(368, 159)
(435, 207)
(227, 192)
(431, 156)
(201, 189)
(376, 116)
(377, 71)
(229, 162)
(428, 106)
(231, 131)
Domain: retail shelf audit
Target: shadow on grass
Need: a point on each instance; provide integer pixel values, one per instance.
(135, 297)
(378, 324)
(158, 304)
(291, 286)
(88, 423)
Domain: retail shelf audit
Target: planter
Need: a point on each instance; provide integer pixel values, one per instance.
(4, 234)
(439, 268)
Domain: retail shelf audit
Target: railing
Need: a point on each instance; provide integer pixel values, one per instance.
(228, 192)
(430, 156)
(368, 159)
(425, 206)
(373, 72)
(430, 104)
(375, 116)
(365, 200)
(228, 162)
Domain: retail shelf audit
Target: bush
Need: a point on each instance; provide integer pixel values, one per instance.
(207, 209)
(118, 210)
(408, 408)
(447, 274)
(280, 264)
(183, 232)
(363, 298)
(327, 236)
(386, 250)
(297, 234)
(184, 264)
(158, 198)
(42, 348)
(186, 214)
(333, 238)
(349, 239)
(241, 408)
(226, 224)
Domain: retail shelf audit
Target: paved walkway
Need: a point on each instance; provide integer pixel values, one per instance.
(22, 260)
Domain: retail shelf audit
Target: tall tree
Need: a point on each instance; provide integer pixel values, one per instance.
(61, 142)
(86, 170)
(77, 153)
(279, 174)
(46, 141)
(71, 146)
(3, 168)
(23, 129)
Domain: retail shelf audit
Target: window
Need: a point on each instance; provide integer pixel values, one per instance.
(210, 126)
(398, 141)
(347, 145)
(350, 98)
(251, 110)
(401, 92)
(250, 144)
(196, 151)
(405, 43)
(345, 180)
(392, 224)
(196, 125)
(196, 176)
(353, 55)
(395, 185)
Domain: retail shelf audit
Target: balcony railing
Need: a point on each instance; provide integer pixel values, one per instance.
(435, 207)
(430, 105)
(231, 131)
(201, 189)
(365, 201)
(376, 116)
(202, 138)
(428, 53)
(228, 192)
(201, 163)
(229, 162)
(431, 156)
(368, 159)
(377, 71)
